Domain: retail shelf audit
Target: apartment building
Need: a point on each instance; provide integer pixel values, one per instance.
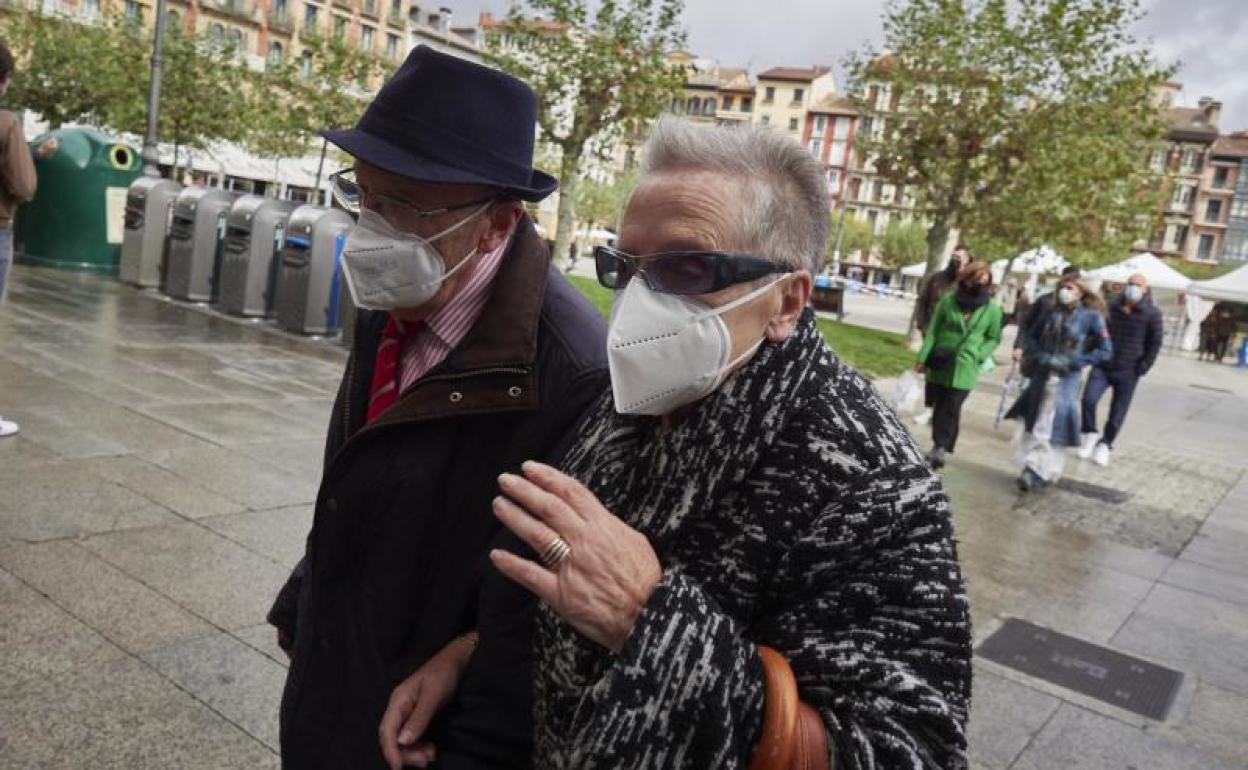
(783, 95)
(1183, 159)
(1230, 173)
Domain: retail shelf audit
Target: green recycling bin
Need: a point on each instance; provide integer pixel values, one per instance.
(77, 218)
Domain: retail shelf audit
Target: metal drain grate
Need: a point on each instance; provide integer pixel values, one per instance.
(1130, 683)
(1093, 491)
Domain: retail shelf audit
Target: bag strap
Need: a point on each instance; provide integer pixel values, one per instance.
(794, 736)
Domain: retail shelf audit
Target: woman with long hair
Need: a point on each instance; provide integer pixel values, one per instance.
(965, 330)
(1071, 337)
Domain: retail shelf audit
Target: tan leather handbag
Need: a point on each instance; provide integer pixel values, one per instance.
(793, 736)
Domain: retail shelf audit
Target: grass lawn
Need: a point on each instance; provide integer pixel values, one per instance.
(870, 351)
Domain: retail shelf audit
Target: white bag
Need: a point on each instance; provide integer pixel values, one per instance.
(908, 394)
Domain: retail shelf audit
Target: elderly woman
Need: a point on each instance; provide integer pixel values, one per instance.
(739, 486)
(1056, 350)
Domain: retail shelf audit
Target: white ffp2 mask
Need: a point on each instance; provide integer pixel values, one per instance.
(665, 351)
(387, 268)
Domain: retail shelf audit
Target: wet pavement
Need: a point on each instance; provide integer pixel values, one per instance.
(162, 486)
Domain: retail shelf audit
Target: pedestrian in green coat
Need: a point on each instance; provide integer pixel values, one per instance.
(958, 346)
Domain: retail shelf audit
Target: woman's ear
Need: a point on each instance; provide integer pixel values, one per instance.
(794, 295)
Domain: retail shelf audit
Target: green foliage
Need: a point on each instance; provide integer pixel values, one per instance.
(1199, 271)
(596, 293)
(856, 235)
(903, 243)
(600, 72)
(1021, 123)
(601, 204)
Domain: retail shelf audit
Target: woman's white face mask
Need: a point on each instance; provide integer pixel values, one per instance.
(665, 350)
(387, 269)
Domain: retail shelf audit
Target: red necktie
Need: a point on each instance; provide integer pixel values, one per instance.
(385, 388)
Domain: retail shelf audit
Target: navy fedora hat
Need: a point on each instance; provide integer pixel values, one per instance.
(444, 119)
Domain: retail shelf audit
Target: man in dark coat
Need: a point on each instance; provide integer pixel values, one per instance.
(471, 355)
(931, 290)
(1136, 329)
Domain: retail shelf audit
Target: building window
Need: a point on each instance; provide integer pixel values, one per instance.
(305, 64)
(173, 19)
(235, 40)
(309, 17)
(366, 39)
(693, 105)
(1157, 160)
(1213, 211)
(1239, 208)
(747, 104)
(1219, 178)
(792, 124)
(340, 27)
(821, 124)
(769, 95)
(855, 189)
(392, 46)
(396, 9)
(873, 95)
(275, 54)
(90, 8)
(1182, 196)
(1204, 250)
(726, 103)
(816, 146)
(798, 94)
(434, 21)
(834, 178)
(708, 107)
(134, 11)
(1191, 161)
(877, 191)
(868, 126)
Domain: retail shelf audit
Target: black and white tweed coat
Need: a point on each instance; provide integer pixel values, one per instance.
(791, 509)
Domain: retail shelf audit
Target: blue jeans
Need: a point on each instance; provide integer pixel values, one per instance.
(6, 256)
(1123, 382)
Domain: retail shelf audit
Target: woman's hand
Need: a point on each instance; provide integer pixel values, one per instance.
(414, 703)
(607, 576)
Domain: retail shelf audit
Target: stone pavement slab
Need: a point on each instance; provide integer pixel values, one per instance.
(1215, 723)
(263, 639)
(161, 486)
(39, 639)
(64, 500)
(1228, 586)
(239, 477)
(121, 715)
(1193, 633)
(304, 458)
(126, 612)
(278, 534)
(1223, 548)
(233, 679)
(215, 578)
(226, 422)
(1004, 717)
(1078, 739)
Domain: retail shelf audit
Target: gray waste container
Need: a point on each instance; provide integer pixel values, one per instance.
(195, 237)
(149, 202)
(254, 232)
(308, 293)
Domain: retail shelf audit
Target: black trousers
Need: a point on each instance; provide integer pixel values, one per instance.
(1123, 382)
(946, 414)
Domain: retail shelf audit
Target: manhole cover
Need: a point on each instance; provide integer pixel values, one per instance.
(1213, 389)
(1130, 683)
(1094, 491)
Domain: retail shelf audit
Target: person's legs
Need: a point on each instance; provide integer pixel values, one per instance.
(951, 417)
(1124, 390)
(6, 257)
(1093, 391)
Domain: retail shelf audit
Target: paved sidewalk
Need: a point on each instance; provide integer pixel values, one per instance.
(162, 486)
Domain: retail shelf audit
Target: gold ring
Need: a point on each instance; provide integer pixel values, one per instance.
(555, 552)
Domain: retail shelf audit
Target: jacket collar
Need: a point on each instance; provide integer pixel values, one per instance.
(493, 368)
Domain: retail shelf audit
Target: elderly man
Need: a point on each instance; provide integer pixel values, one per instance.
(1136, 329)
(739, 487)
(471, 355)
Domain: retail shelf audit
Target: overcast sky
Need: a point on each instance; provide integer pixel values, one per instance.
(1209, 37)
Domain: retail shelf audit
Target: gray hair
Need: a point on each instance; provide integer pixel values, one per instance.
(784, 198)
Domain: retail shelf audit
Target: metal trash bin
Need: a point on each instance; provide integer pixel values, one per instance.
(148, 205)
(196, 233)
(77, 218)
(308, 293)
(254, 232)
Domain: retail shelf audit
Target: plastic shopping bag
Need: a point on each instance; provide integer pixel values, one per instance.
(908, 394)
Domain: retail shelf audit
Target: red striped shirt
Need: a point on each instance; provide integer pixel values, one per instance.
(445, 329)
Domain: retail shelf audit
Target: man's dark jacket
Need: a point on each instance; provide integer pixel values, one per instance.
(396, 563)
(1137, 336)
(931, 290)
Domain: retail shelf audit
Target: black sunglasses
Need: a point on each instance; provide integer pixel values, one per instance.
(681, 272)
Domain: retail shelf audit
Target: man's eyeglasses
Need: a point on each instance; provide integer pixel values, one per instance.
(681, 272)
(352, 196)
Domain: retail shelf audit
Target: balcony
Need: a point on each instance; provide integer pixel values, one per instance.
(281, 21)
(244, 10)
(346, 4)
(395, 19)
(371, 9)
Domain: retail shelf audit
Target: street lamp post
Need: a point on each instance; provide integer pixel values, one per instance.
(151, 153)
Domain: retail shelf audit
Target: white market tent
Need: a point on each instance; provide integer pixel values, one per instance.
(1232, 287)
(1158, 273)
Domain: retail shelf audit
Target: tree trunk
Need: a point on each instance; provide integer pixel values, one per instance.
(569, 169)
(937, 237)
